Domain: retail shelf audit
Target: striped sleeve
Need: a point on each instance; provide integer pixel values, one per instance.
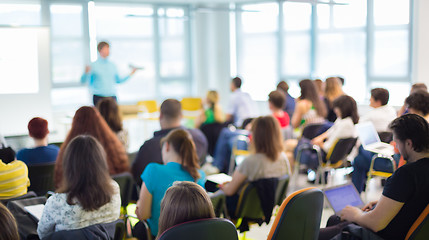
(13, 179)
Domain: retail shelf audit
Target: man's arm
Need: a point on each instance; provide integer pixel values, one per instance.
(377, 219)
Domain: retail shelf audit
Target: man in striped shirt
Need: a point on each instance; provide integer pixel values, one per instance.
(13, 178)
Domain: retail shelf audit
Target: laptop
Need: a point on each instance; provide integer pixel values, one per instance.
(342, 195)
(370, 140)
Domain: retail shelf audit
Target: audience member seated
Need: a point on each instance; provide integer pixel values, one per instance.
(223, 148)
(212, 112)
(170, 118)
(347, 116)
(266, 161)
(13, 175)
(276, 100)
(289, 105)
(87, 120)
(414, 88)
(8, 226)
(380, 115)
(42, 152)
(241, 106)
(184, 202)
(109, 110)
(181, 164)
(405, 194)
(320, 88)
(333, 89)
(418, 103)
(309, 108)
(87, 196)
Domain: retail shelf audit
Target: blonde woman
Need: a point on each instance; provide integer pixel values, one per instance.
(212, 113)
(333, 90)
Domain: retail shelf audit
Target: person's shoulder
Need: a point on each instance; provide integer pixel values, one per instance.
(195, 132)
(154, 167)
(22, 153)
(53, 147)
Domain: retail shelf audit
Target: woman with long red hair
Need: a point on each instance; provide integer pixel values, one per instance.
(88, 121)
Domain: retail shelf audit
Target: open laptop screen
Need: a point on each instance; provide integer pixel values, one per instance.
(343, 195)
(367, 133)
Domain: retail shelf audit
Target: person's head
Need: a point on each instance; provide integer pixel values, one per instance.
(345, 106)
(86, 177)
(267, 137)
(170, 113)
(109, 110)
(8, 226)
(212, 98)
(308, 91)
(276, 100)
(183, 202)
(341, 79)
(7, 155)
(178, 144)
(103, 49)
(283, 86)
(411, 134)
(235, 83)
(87, 120)
(379, 97)
(333, 88)
(38, 128)
(418, 103)
(418, 87)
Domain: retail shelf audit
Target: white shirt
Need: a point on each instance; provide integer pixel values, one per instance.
(241, 106)
(342, 128)
(59, 215)
(380, 117)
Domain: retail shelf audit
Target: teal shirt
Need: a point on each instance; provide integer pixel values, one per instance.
(103, 78)
(158, 178)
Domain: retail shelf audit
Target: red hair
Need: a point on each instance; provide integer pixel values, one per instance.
(88, 121)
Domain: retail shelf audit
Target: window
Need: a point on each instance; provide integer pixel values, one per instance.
(20, 14)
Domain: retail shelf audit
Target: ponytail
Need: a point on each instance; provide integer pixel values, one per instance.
(182, 143)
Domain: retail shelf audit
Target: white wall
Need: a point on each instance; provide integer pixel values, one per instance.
(421, 42)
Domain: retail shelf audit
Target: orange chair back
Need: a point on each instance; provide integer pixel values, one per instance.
(418, 225)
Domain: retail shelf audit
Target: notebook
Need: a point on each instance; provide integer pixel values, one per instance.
(220, 178)
(35, 210)
(370, 140)
(341, 196)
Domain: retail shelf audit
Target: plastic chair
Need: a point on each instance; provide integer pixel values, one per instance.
(336, 156)
(212, 132)
(372, 172)
(41, 178)
(311, 130)
(150, 108)
(281, 189)
(190, 110)
(299, 216)
(218, 199)
(238, 151)
(208, 229)
(420, 228)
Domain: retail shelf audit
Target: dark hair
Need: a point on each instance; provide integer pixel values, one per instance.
(88, 121)
(8, 226)
(184, 146)
(108, 109)
(38, 128)
(341, 79)
(308, 91)
(419, 101)
(237, 82)
(7, 154)
(413, 127)
(101, 45)
(267, 137)
(86, 177)
(348, 107)
(171, 109)
(183, 202)
(277, 98)
(380, 94)
(283, 86)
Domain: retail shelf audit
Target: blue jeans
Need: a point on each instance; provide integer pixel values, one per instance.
(223, 148)
(362, 163)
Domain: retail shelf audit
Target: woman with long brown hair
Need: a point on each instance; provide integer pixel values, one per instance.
(87, 196)
(184, 202)
(87, 120)
(181, 164)
(309, 107)
(266, 161)
(109, 110)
